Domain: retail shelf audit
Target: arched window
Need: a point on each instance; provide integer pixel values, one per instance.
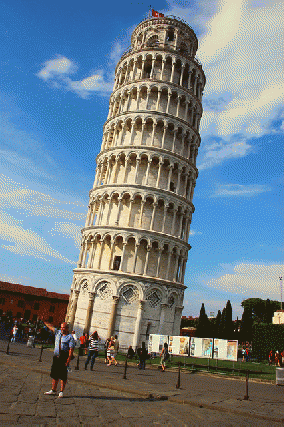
(153, 41)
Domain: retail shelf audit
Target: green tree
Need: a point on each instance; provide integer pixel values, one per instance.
(246, 325)
(217, 324)
(226, 330)
(261, 310)
(203, 329)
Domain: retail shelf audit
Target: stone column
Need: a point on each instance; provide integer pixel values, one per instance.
(125, 171)
(163, 67)
(89, 313)
(136, 170)
(178, 106)
(79, 263)
(131, 132)
(164, 135)
(177, 319)
(161, 162)
(164, 219)
(169, 177)
(130, 211)
(164, 307)
(181, 75)
(102, 242)
(153, 215)
(174, 139)
(73, 309)
(112, 316)
(159, 261)
(152, 69)
(122, 256)
(147, 98)
(137, 100)
(147, 171)
(138, 325)
(134, 69)
(183, 270)
(174, 221)
(88, 216)
(111, 255)
(153, 133)
(118, 210)
(142, 131)
(158, 99)
(180, 225)
(176, 268)
(168, 265)
(85, 255)
(135, 256)
(186, 110)
(128, 101)
(141, 213)
(89, 265)
(173, 72)
(168, 103)
(146, 261)
(178, 180)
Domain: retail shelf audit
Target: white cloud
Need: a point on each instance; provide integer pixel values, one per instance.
(56, 67)
(251, 280)
(237, 190)
(34, 203)
(116, 51)
(217, 152)
(94, 83)
(57, 71)
(68, 230)
(26, 242)
(194, 233)
(241, 54)
(240, 49)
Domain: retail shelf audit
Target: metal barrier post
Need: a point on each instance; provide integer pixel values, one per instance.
(41, 350)
(125, 369)
(77, 366)
(246, 397)
(178, 380)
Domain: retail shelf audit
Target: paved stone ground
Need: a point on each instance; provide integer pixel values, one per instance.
(102, 397)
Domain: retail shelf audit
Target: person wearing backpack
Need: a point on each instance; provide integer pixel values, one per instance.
(164, 356)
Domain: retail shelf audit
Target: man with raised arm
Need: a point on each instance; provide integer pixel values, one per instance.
(63, 352)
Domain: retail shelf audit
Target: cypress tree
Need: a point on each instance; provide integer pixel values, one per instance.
(203, 329)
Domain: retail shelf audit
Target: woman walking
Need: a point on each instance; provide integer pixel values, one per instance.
(164, 356)
(93, 349)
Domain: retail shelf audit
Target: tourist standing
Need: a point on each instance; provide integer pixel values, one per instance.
(74, 337)
(110, 353)
(142, 354)
(63, 352)
(106, 349)
(164, 356)
(116, 348)
(93, 350)
(14, 333)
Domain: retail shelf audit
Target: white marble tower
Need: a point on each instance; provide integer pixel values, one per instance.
(130, 274)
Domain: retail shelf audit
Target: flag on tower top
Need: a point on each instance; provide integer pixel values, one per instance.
(157, 14)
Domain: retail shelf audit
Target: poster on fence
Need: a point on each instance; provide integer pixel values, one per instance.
(225, 350)
(201, 347)
(156, 342)
(179, 346)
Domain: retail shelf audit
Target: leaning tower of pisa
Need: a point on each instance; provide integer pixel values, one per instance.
(129, 278)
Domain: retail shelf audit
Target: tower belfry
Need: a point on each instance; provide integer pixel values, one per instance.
(129, 278)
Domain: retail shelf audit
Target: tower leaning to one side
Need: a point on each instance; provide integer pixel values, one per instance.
(130, 274)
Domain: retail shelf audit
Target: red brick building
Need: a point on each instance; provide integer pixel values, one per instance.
(29, 302)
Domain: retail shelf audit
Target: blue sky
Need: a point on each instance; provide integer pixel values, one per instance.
(57, 64)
